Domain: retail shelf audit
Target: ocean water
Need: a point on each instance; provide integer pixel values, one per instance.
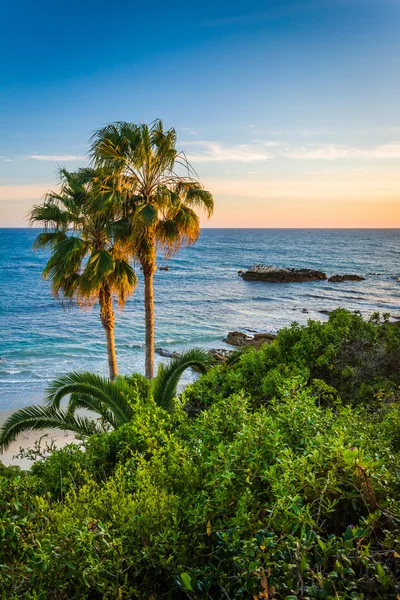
(197, 301)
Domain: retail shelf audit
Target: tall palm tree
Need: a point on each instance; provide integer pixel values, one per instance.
(90, 252)
(108, 399)
(159, 201)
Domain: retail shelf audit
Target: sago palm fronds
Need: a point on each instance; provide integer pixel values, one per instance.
(165, 385)
(37, 418)
(110, 400)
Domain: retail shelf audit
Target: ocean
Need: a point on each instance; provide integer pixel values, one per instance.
(197, 301)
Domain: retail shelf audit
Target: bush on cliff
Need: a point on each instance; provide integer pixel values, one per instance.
(352, 359)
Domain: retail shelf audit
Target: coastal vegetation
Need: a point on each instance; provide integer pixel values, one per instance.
(274, 476)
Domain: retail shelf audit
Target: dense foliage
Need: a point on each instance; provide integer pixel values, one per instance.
(277, 477)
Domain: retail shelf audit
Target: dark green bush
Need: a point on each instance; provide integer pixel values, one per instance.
(357, 359)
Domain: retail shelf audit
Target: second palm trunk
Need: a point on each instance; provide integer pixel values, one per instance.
(148, 272)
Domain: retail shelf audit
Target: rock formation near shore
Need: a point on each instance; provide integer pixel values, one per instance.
(243, 340)
(271, 274)
(239, 339)
(219, 355)
(346, 277)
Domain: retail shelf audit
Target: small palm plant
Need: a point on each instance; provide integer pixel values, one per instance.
(90, 254)
(110, 400)
(160, 203)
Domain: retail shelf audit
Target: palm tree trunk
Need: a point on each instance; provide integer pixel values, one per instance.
(107, 319)
(148, 273)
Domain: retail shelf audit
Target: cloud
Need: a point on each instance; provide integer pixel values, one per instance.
(55, 157)
(189, 130)
(381, 130)
(257, 151)
(204, 151)
(336, 151)
(301, 132)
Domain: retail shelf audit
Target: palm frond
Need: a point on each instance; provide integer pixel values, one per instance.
(88, 402)
(48, 213)
(165, 384)
(123, 280)
(200, 198)
(48, 238)
(112, 394)
(37, 418)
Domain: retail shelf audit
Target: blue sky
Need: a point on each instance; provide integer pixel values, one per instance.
(289, 110)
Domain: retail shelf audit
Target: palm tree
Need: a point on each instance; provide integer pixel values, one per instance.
(110, 400)
(90, 255)
(160, 202)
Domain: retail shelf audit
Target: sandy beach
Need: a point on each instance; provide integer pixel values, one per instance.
(27, 440)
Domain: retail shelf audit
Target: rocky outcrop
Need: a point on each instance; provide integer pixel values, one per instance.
(243, 340)
(281, 275)
(167, 353)
(346, 277)
(166, 268)
(219, 355)
(239, 339)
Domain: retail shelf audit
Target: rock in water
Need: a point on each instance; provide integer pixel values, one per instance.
(346, 277)
(281, 275)
(167, 353)
(242, 340)
(219, 355)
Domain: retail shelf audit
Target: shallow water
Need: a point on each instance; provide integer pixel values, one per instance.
(198, 300)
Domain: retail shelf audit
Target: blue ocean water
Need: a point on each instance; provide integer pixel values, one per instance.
(198, 300)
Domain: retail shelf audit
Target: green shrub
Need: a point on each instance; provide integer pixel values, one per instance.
(357, 359)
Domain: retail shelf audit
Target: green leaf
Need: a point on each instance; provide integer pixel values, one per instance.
(186, 581)
(101, 264)
(380, 571)
(148, 214)
(303, 564)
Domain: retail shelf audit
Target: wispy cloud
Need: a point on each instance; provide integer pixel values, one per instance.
(381, 130)
(300, 132)
(204, 151)
(55, 157)
(263, 150)
(189, 130)
(336, 151)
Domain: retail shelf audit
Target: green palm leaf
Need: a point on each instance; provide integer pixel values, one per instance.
(112, 395)
(49, 238)
(164, 388)
(147, 214)
(37, 418)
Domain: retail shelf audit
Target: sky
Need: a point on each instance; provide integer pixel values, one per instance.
(289, 110)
